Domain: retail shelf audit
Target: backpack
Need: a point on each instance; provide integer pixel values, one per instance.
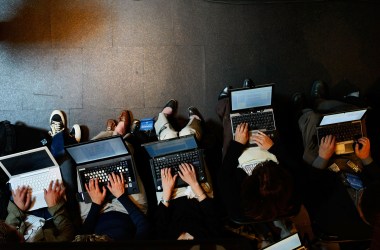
(7, 138)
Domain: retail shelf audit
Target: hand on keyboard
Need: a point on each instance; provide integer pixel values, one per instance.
(168, 183)
(54, 193)
(22, 197)
(97, 195)
(241, 134)
(262, 140)
(116, 184)
(187, 174)
(327, 147)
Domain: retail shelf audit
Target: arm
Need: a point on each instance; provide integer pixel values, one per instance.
(325, 152)
(117, 188)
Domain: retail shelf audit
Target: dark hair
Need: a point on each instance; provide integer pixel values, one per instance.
(267, 193)
(8, 234)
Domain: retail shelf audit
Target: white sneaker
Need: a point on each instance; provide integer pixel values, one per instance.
(57, 122)
(76, 132)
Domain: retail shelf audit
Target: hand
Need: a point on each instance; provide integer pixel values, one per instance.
(168, 182)
(54, 193)
(327, 147)
(116, 184)
(262, 140)
(365, 151)
(241, 133)
(22, 198)
(97, 196)
(187, 174)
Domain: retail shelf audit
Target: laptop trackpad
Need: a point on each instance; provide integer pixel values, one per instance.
(344, 148)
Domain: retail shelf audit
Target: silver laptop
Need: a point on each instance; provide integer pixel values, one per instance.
(253, 106)
(98, 158)
(290, 242)
(347, 127)
(35, 168)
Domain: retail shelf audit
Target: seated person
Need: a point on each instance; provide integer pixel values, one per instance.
(182, 218)
(164, 130)
(260, 186)
(113, 128)
(51, 224)
(332, 199)
(119, 220)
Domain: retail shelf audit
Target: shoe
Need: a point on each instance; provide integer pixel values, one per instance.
(57, 122)
(111, 124)
(125, 116)
(194, 111)
(299, 103)
(318, 90)
(135, 126)
(248, 83)
(224, 93)
(76, 132)
(173, 104)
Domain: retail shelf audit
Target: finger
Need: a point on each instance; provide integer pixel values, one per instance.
(87, 188)
(50, 185)
(28, 200)
(104, 192)
(96, 183)
(121, 178)
(111, 178)
(116, 177)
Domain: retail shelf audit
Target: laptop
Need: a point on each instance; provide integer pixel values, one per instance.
(98, 158)
(35, 168)
(290, 242)
(171, 153)
(254, 106)
(147, 124)
(347, 127)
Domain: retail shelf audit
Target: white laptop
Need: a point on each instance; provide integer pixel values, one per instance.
(34, 168)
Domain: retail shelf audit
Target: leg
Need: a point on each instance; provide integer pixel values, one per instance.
(223, 111)
(307, 124)
(163, 128)
(193, 127)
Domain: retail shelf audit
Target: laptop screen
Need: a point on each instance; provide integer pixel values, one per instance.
(291, 242)
(342, 117)
(147, 124)
(251, 98)
(27, 161)
(165, 147)
(97, 149)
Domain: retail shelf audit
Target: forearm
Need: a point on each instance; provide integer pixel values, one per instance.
(15, 217)
(320, 163)
(91, 219)
(200, 195)
(62, 223)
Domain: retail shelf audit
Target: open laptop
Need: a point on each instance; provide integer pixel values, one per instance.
(347, 127)
(290, 242)
(253, 106)
(98, 158)
(35, 168)
(173, 152)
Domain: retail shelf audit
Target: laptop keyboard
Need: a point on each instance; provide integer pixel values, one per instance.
(173, 161)
(259, 120)
(102, 172)
(342, 132)
(36, 182)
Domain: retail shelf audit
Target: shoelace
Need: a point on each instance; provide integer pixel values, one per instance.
(55, 127)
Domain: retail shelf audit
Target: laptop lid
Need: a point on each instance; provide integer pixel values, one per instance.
(249, 99)
(27, 161)
(348, 116)
(290, 242)
(165, 147)
(95, 150)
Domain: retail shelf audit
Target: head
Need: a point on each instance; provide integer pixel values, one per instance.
(9, 234)
(268, 192)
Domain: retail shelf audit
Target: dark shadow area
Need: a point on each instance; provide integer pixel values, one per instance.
(44, 22)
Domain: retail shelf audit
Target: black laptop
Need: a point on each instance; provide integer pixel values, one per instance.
(347, 127)
(98, 158)
(253, 106)
(171, 153)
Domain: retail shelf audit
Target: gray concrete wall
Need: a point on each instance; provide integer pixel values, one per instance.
(92, 59)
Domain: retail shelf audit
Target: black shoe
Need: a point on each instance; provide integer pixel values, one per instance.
(318, 90)
(173, 104)
(195, 111)
(248, 83)
(135, 126)
(224, 93)
(299, 103)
